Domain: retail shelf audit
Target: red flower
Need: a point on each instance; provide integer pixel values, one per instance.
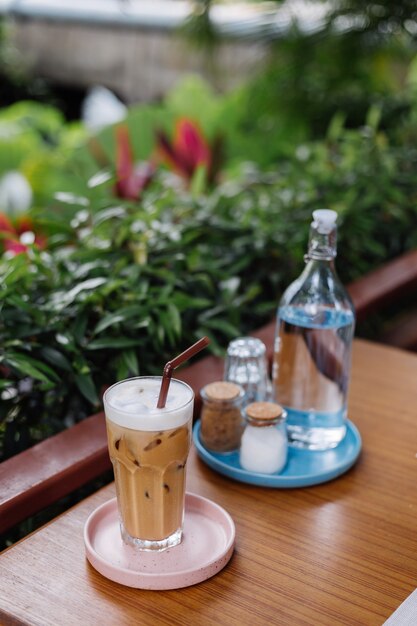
(131, 179)
(5, 225)
(189, 150)
(12, 235)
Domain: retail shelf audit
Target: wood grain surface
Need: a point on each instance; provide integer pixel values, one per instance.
(344, 552)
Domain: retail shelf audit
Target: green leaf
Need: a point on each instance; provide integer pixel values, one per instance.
(175, 318)
(17, 269)
(22, 305)
(85, 384)
(56, 358)
(106, 214)
(79, 327)
(131, 361)
(120, 316)
(142, 323)
(336, 126)
(62, 299)
(224, 326)
(374, 116)
(39, 364)
(113, 342)
(109, 320)
(198, 181)
(67, 197)
(159, 332)
(184, 301)
(65, 339)
(122, 370)
(4, 384)
(29, 367)
(100, 178)
(165, 325)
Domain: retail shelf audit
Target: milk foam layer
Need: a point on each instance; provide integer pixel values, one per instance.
(132, 404)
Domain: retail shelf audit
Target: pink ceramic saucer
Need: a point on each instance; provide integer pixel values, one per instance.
(206, 547)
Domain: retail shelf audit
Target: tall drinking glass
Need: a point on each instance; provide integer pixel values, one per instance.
(148, 448)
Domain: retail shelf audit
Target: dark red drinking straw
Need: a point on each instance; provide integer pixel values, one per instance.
(172, 365)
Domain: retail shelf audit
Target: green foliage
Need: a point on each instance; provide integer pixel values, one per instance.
(355, 59)
(35, 140)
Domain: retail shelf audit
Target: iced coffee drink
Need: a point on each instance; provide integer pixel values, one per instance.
(148, 448)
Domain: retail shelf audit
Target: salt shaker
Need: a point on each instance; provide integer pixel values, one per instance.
(221, 416)
(264, 446)
(246, 365)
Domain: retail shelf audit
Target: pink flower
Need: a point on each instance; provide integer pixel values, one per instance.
(16, 239)
(131, 179)
(188, 151)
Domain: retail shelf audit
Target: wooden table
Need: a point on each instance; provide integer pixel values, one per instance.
(344, 552)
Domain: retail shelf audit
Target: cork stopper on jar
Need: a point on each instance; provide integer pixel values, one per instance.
(222, 391)
(264, 412)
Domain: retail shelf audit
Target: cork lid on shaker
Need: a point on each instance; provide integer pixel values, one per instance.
(263, 413)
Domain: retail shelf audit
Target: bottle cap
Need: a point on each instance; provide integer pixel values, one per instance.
(325, 220)
(264, 411)
(222, 391)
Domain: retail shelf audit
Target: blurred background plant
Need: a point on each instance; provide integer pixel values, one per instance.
(356, 57)
(120, 246)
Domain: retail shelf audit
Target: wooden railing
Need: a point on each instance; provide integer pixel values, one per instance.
(57, 466)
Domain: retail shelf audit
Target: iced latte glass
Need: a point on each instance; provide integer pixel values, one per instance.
(148, 448)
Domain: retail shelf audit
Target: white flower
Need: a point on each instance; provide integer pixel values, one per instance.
(302, 153)
(15, 193)
(102, 108)
(27, 238)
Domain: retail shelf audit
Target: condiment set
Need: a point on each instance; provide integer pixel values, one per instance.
(237, 413)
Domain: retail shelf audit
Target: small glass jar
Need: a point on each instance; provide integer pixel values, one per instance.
(264, 446)
(221, 416)
(246, 364)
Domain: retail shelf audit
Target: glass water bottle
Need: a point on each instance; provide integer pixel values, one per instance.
(313, 340)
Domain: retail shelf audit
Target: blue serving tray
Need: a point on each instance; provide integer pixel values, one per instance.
(303, 469)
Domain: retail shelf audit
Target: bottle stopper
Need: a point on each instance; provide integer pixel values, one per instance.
(325, 220)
